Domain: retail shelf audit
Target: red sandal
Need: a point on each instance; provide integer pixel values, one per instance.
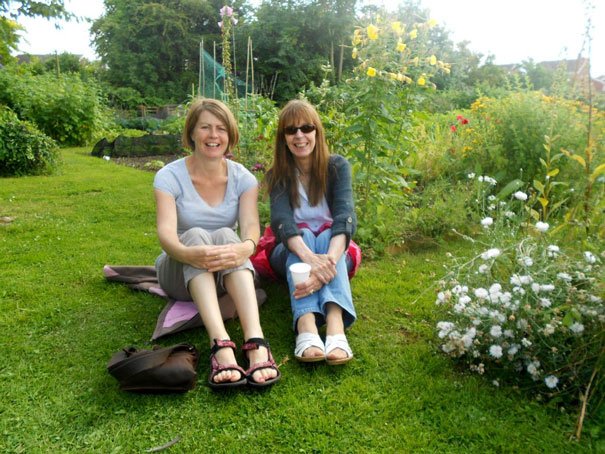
(255, 343)
(218, 368)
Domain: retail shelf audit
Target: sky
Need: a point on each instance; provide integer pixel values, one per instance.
(511, 30)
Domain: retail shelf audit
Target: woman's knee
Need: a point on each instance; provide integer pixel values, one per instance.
(196, 236)
(323, 240)
(309, 238)
(225, 235)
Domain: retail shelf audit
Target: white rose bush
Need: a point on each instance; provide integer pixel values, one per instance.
(526, 310)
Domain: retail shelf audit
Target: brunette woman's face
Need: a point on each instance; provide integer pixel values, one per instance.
(301, 144)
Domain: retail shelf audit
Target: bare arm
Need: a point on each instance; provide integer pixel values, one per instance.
(234, 255)
(198, 256)
(249, 223)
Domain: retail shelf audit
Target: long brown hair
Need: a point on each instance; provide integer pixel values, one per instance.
(220, 111)
(283, 171)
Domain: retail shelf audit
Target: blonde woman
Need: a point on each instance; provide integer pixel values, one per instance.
(200, 200)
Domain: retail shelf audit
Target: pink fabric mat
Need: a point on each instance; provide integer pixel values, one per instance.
(176, 315)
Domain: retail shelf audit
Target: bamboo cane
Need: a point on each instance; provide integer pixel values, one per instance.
(214, 69)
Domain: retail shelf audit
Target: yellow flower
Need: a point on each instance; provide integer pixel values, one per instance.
(356, 37)
(372, 32)
(396, 26)
(354, 54)
(401, 46)
(433, 60)
(371, 72)
(414, 34)
(431, 23)
(421, 81)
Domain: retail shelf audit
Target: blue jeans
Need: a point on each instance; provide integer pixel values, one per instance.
(337, 291)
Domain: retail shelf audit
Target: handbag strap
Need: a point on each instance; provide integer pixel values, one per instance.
(145, 359)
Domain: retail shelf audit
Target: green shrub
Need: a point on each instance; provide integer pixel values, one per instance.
(503, 137)
(174, 124)
(519, 123)
(148, 124)
(23, 149)
(452, 145)
(437, 209)
(257, 120)
(63, 107)
(125, 98)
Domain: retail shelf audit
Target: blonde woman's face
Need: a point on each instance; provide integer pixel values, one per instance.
(210, 135)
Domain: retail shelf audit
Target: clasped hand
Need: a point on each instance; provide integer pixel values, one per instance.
(323, 270)
(218, 258)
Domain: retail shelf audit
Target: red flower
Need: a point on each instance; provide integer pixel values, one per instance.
(453, 128)
(462, 120)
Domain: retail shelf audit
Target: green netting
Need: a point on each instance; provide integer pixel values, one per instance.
(211, 79)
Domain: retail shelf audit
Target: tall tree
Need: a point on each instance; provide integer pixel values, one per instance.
(295, 40)
(10, 11)
(152, 46)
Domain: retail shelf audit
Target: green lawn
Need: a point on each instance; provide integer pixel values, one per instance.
(61, 322)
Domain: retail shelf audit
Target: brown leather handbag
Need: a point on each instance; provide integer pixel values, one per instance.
(160, 370)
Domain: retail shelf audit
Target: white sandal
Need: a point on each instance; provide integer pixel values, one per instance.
(338, 341)
(305, 341)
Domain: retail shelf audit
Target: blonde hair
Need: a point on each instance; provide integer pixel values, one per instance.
(283, 170)
(220, 111)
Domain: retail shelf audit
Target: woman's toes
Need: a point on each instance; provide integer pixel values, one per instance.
(337, 353)
(265, 374)
(260, 376)
(226, 356)
(261, 355)
(312, 352)
(226, 376)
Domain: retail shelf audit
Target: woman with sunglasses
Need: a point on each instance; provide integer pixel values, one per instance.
(200, 201)
(313, 219)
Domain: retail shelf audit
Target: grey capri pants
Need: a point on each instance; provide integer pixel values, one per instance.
(174, 276)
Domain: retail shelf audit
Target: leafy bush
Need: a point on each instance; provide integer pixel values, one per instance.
(451, 145)
(518, 124)
(125, 98)
(526, 311)
(257, 120)
(23, 149)
(63, 107)
(148, 124)
(437, 209)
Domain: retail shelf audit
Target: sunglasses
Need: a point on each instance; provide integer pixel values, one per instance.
(306, 129)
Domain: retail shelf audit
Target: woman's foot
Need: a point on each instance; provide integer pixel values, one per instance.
(262, 371)
(337, 346)
(225, 371)
(309, 346)
(338, 350)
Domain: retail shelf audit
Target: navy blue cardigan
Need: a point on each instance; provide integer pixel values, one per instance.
(339, 196)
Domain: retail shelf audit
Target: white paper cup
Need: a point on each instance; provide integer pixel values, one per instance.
(300, 272)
